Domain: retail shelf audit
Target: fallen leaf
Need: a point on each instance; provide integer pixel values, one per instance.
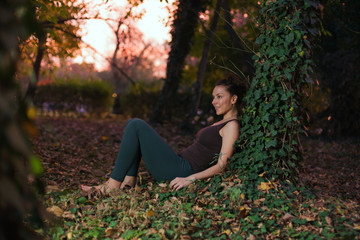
(110, 231)
(243, 212)
(251, 237)
(242, 196)
(307, 218)
(68, 215)
(264, 186)
(328, 220)
(149, 213)
(259, 201)
(227, 232)
(185, 237)
(287, 217)
(98, 172)
(52, 188)
(55, 210)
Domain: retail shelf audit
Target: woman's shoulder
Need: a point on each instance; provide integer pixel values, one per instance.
(230, 128)
(223, 123)
(233, 123)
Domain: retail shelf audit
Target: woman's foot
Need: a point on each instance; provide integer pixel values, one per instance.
(105, 188)
(129, 182)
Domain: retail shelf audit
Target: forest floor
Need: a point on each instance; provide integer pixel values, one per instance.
(77, 151)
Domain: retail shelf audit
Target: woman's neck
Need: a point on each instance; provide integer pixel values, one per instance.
(229, 115)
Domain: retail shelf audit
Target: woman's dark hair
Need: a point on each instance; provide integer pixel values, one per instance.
(235, 87)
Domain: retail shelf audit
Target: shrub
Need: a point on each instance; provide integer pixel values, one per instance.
(141, 99)
(94, 96)
(138, 101)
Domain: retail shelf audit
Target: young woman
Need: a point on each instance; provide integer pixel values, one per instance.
(205, 158)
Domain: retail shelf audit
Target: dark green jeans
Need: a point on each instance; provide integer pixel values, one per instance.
(141, 140)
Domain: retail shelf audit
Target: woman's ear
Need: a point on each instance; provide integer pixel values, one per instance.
(234, 99)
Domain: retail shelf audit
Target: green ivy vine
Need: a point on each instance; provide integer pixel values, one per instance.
(269, 145)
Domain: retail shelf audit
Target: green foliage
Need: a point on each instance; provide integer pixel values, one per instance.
(140, 99)
(67, 95)
(153, 212)
(271, 123)
(60, 22)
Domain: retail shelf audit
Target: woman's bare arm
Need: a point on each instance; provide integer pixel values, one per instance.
(229, 133)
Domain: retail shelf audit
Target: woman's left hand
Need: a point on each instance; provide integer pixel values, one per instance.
(179, 182)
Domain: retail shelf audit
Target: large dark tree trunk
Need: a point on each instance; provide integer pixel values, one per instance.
(183, 29)
(237, 43)
(18, 199)
(202, 67)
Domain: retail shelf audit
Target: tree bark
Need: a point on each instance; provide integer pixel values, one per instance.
(18, 197)
(202, 67)
(183, 30)
(115, 68)
(31, 90)
(236, 41)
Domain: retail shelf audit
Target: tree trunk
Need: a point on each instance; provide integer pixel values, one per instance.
(31, 90)
(183, 30)
(116, 70)
(269, 146)
(18, 198)
(202, 67)
(237, 43)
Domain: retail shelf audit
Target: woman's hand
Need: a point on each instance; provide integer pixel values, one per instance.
(179, 182)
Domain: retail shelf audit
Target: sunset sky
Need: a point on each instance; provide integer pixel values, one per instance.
(99, 35)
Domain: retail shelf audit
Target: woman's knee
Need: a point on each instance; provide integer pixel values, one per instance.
(134, 122)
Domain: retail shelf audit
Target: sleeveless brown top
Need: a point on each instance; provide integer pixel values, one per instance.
(203, 153)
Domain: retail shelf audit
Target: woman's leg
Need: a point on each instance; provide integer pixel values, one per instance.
(141, 140)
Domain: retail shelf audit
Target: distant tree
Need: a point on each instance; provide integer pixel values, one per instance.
(183, 28)
(18, 198)
(131, 59)
(60, 22)
(125, 34)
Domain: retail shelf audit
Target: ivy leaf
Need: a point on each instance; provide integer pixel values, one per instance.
(289, 38)
(271, 143)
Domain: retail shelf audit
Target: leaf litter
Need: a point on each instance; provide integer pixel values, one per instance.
(83, 151)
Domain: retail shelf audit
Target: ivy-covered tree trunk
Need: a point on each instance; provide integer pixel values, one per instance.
(272, 121)
(17, 197)
(183, 29)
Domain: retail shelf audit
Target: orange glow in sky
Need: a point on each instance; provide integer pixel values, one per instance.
(100, 37)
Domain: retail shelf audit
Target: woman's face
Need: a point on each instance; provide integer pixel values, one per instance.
(223, 102)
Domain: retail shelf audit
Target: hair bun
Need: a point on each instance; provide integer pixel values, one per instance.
(235, 86)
